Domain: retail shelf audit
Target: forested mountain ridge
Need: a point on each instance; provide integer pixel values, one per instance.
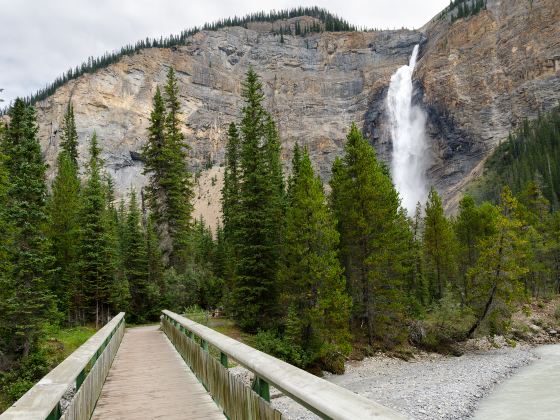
(477, 77)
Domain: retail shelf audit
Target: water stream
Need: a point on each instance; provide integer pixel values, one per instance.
(410, 150)
(532, 393)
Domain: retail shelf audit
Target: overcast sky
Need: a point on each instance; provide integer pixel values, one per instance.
(40, 39)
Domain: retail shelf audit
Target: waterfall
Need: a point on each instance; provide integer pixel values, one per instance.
(409, 160)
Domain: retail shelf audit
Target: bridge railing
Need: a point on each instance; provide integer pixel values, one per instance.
(81, 374)
(323, 398)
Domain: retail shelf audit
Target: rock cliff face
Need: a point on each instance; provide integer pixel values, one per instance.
(477, 78)
(483, 75)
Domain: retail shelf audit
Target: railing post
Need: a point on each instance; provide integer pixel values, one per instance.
(223, 359)
(56, 413)
(80, 379)
(204, 344)
(260, 386)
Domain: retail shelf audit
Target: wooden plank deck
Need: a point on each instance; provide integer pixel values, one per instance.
(150, 380)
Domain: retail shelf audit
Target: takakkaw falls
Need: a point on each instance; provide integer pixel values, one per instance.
(410, 154)
(281, 215)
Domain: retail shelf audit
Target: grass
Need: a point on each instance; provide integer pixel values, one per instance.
(57, 344)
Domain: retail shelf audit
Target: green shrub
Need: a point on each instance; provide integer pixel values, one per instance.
(197, 314)
(445, 324)
(271, 343)
(16, 382)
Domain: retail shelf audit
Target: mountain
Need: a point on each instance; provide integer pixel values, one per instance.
(477, 77)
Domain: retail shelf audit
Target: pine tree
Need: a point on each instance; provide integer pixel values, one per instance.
(417, 287)
(439, 247)
(4, 223)
(474, 223)
(554, 258)
(179, 181)
(313, 285)
(64, 229)
(26, 303)
(296, 163)
(170, 189)
(155, 263)
(533, 211)
(136, 266)
(69, 136)
(96, 260)
(260, 215)
(373, 240)
(231, 188)
(498, 271)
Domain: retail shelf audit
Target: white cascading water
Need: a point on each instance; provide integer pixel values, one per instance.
(410, 150)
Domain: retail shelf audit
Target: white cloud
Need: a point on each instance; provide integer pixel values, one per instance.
(42, 39)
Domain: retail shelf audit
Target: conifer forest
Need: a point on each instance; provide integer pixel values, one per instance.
(310, 273)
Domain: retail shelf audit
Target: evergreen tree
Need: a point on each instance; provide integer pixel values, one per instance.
(417, 287)
(69, 136)
(143, 293)
(496, 277)
(155, 263)
(439, 247)
(96, 261)
(261, 213)
(554, 261)
(64, 229)
(178, 183)
(296, 163)
(533, 211)
(119, 290)
(313, 286)
(170, 189)
(26, 303)
(373, 239)
(474, 223)
(231, 187)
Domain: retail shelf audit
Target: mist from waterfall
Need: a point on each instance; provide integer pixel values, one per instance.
(410, 157)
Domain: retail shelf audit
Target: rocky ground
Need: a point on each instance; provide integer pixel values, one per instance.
(430, 386)
(434, 386)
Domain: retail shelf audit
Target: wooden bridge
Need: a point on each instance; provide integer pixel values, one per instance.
(178, 370)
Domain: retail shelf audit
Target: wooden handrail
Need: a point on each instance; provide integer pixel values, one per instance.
(42, 401)
(318, 395)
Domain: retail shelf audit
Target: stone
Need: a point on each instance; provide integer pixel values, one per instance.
(476, 78)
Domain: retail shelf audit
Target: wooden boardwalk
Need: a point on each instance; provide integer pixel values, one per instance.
(150, 380)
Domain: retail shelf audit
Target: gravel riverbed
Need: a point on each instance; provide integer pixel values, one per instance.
(430, 386)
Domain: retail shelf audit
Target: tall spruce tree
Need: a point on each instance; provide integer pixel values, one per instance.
(136, 265)
(170, 190)
(312, 283)
(179, 182)
(69, 136)
(26, 302)
(231, 188)
(497, 275)
(64, 229)
(260, 213)
(439, 246)
(97, 253)
(296, 163)
(373, 240)
(473, 224)
(63, 208)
